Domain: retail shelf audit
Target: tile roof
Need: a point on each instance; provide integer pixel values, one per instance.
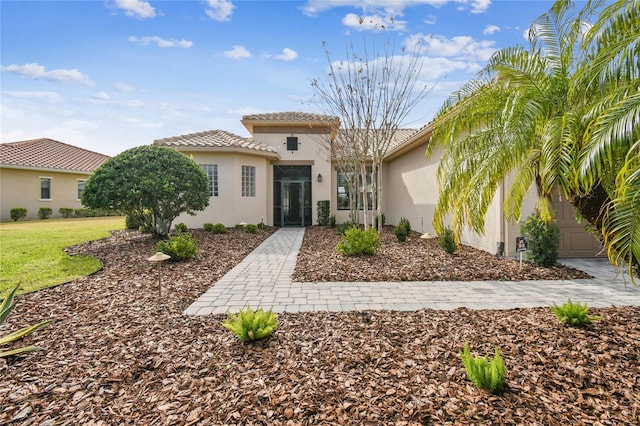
(213, 139)
(49, 154)
(289, 117)
(400, 137)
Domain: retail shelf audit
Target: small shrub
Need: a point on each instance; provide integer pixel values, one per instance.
(375, 220)
(573, 314)
(65, 212)
(402, 230)
(208, 227)
(240, 226)
(179, 247)
(249, 325)
(5, 309)
(44, 212)
(251, 228)
(447, 241)
(344, 227)
(219, 228)
(261, 226)
(324, 208)
(483, 373)
(332, 221)
(544, 240)
(18, 213)
(357, 242)
(180, 227)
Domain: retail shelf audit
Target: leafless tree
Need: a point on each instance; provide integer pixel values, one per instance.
(372, 94)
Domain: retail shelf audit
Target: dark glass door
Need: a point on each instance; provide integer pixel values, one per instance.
(292, 196)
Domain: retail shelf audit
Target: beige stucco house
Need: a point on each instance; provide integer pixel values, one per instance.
(43, 173)
(280, 173)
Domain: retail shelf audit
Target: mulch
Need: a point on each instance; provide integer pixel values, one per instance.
(118, 353)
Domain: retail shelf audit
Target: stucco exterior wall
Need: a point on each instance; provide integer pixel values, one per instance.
(230, 207)
(21, 188)
(313, 150)
(410, 189)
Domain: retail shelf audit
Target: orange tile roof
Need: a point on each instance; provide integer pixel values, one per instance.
(290, 116)
(214, 139)
(49, 154)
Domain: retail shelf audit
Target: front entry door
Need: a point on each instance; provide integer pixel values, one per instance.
(292, 196)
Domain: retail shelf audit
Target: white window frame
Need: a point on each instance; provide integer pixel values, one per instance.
(211, 170)
(50, 179)
(248, 181)
(78, 190)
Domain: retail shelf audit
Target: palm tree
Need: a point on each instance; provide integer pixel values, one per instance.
(561, 114)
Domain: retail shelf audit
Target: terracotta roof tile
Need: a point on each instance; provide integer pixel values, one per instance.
(400, 136)
(288, 116)
(212, 139)
(49, 154)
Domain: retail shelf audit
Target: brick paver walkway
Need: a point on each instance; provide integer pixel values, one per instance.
(263, 279)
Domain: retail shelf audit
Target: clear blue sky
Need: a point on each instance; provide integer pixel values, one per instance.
(110, 75)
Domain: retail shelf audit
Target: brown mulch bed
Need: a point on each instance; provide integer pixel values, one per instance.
(413, 260)
(117, 353)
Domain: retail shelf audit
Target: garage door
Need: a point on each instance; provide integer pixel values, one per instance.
(574, 240)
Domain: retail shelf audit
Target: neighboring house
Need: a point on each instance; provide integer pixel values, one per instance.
(281, 172)
(43, 173)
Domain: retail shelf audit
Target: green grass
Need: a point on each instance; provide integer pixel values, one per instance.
(32, 252)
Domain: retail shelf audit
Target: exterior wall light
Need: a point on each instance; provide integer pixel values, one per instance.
(319, 177)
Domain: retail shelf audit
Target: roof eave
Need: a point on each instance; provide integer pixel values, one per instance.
(249, 151)
(45, 169)
(421, 137)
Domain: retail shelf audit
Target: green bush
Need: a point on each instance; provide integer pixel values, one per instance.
(544, 240)
(573, 314)
(357, 242)
(218, 228)
(447, 241)
(403, 229)
(484, 374)
(5, 309)
(261, 226)
(179, 247)
(332, 221)
(44, 212)
(375, 220)
(180, 227)
(65, 212)
(324, 208)
(251, 228)
(84, 212)
(249, 325)
(344, 227)
(240, 226)
(18, 213)
(208, 227)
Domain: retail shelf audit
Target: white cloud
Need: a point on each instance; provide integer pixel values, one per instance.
(459, 46)
(219, 10)
(136, 8)
(39, 72)
(161, 42)
(237, 52)
(372, 22)
(480, 6)
(287, 55)
(48, 97)
(490, 29)
(430, 20)
(101, 96)
(124, 87)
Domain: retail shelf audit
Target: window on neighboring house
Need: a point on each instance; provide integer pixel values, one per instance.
(292, 143)
(212, 173)
(80, 188)
(344, 178)
(248, 181)
(45, 188)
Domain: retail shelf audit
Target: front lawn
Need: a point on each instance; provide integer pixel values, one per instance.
(32, 252)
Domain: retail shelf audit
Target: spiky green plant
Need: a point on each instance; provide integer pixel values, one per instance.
(5, 310)
(483, 373)
(249, 325)
(573, 314)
